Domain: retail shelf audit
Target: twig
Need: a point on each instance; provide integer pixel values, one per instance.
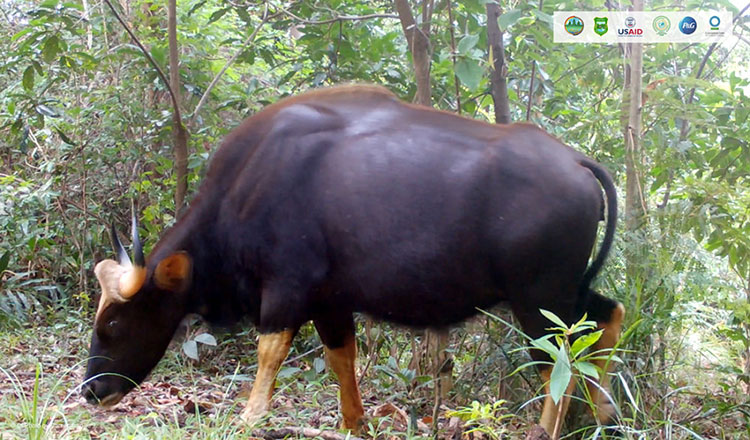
(531, 90)
(453, 58)
(305, 354)
(274, 434)
(150, 59)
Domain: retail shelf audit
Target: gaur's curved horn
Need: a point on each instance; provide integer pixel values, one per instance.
(140, 261)
(131, 281)
(122, 254)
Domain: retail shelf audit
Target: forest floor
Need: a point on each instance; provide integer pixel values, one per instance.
(42, 367)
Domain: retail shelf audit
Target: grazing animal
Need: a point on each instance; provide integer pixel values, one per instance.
(347, 200)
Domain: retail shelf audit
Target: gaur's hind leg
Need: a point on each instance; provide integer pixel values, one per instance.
(609, 315)
(553, 415)
(272, 350)
(337, 334)
(535, 325)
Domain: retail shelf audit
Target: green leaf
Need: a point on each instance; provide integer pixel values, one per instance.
(50, 49)
(4, 260)
(543, 17)
(585, 342)
(206, 339)
(586, 368)
(560, 377)
(469, 72)
(554, 318)
(28, 78)
(319, 365)
(217, 15)
(159, 53)
(196, 7)
(288, 372)
(467, 43)
(64, 137)
(190, 348)
(508, 19)
(546, 346)
(243, 14)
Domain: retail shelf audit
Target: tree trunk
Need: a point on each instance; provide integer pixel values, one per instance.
(418, 39)
(635, 204)
(498, 83)
(179, 134)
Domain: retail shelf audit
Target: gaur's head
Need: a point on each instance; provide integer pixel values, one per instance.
(139, 310)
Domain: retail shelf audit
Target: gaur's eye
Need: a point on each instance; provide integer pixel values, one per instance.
(111, 324)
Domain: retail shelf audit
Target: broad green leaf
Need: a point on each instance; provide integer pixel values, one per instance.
(206, 338)
(28, 78)
(585, 342)
(508, 19)
(196, 7)
(288, 372)
(543, 17)
(190, 348)
(560, 377)
(586, 368)
(64, 137)
(467, 43)
(159, 53)
(554, 318)
(243, 14)
(4, 260)
(319, 365)
(469, 72)
(217, 15)
(546, 346)
(50, 49)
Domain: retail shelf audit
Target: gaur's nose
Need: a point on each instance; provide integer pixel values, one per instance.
(89, 392)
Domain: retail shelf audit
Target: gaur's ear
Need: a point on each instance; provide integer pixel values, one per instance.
(174, 272)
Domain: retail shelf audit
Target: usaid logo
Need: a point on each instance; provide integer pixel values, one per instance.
(688, 25)
(631, 30)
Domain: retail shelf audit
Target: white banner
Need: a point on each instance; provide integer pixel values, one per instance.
(641, 26)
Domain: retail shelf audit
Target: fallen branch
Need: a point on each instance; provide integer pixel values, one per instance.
(275, 434)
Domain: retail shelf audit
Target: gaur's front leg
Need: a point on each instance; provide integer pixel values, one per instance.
(273, 348)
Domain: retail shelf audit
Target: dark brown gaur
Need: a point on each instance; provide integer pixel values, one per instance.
(347, 200)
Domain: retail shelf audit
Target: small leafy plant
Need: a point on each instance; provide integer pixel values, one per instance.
(487, 418)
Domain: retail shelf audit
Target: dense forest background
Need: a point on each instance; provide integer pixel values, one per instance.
(88, 124)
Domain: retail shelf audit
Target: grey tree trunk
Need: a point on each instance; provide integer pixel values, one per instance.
(499, 85)
(179, 133)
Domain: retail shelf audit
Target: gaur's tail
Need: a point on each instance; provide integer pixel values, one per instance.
(605, 180)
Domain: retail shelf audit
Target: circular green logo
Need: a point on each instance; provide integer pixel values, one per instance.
(574, 25)
(662, 25)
